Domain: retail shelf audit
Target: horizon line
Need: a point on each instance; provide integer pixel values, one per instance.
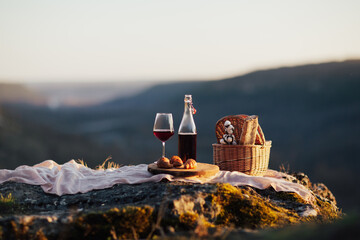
(161, 80)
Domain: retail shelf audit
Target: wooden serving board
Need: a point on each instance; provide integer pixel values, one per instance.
(202, 170)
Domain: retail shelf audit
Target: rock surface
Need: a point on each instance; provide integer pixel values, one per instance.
(156, 209)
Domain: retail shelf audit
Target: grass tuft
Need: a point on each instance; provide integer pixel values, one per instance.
(109, 164)
(8, 199)
(284, 169)
(8, 204)
(80, 161)
(105, 165)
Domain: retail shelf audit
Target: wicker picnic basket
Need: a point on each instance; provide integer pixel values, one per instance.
(249, 159)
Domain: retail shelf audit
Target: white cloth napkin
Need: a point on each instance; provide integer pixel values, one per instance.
(72, 177)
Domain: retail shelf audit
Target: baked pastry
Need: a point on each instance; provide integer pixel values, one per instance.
(176, 161)
(190, 164)
(164, 162)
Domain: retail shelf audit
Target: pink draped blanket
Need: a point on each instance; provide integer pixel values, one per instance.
(72, 177)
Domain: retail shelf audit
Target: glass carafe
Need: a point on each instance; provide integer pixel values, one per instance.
(187, 132)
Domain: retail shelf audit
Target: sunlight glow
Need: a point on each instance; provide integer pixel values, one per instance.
(169, 40)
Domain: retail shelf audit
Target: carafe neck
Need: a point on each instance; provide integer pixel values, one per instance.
(187, 124)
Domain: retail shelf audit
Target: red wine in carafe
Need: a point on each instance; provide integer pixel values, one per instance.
(187, 132)
(187, 146)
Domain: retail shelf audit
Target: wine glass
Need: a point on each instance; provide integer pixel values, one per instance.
(163, 128)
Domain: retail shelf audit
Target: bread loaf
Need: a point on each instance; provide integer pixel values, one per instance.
(249, 130)
(260, 137)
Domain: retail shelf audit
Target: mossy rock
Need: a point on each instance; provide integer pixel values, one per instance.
(245, 208)
(188, 220)
(125, 223)
(155, 209)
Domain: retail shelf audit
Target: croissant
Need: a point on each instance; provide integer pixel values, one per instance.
(164, 163)
(190, 164)
(176, 161)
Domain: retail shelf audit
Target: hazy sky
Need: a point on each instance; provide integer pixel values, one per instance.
(170, 40)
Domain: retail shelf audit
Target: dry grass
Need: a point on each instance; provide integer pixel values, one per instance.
(80, 161)
(109, 164)
(105, 165)
(284, 169)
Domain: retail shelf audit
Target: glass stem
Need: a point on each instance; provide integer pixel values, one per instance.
(163, 149)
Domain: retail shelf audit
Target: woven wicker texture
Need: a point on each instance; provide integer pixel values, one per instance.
(249, 159)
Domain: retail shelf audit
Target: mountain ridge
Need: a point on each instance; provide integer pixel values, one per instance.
(19, 93)
(322, 67)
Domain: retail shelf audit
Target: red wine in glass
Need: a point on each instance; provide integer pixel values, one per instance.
(163, 135)
(163, 128)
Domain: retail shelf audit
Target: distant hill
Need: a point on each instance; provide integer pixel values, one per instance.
(61, 94)
(28, 142)
(18, 93)
(310, 112)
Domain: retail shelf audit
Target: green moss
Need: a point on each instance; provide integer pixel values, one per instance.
(247, 209)
(188, 220)
(40, 235)
(124, 223)
(8, 204)
(290, 196)
(327, 212)
(19, 231)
